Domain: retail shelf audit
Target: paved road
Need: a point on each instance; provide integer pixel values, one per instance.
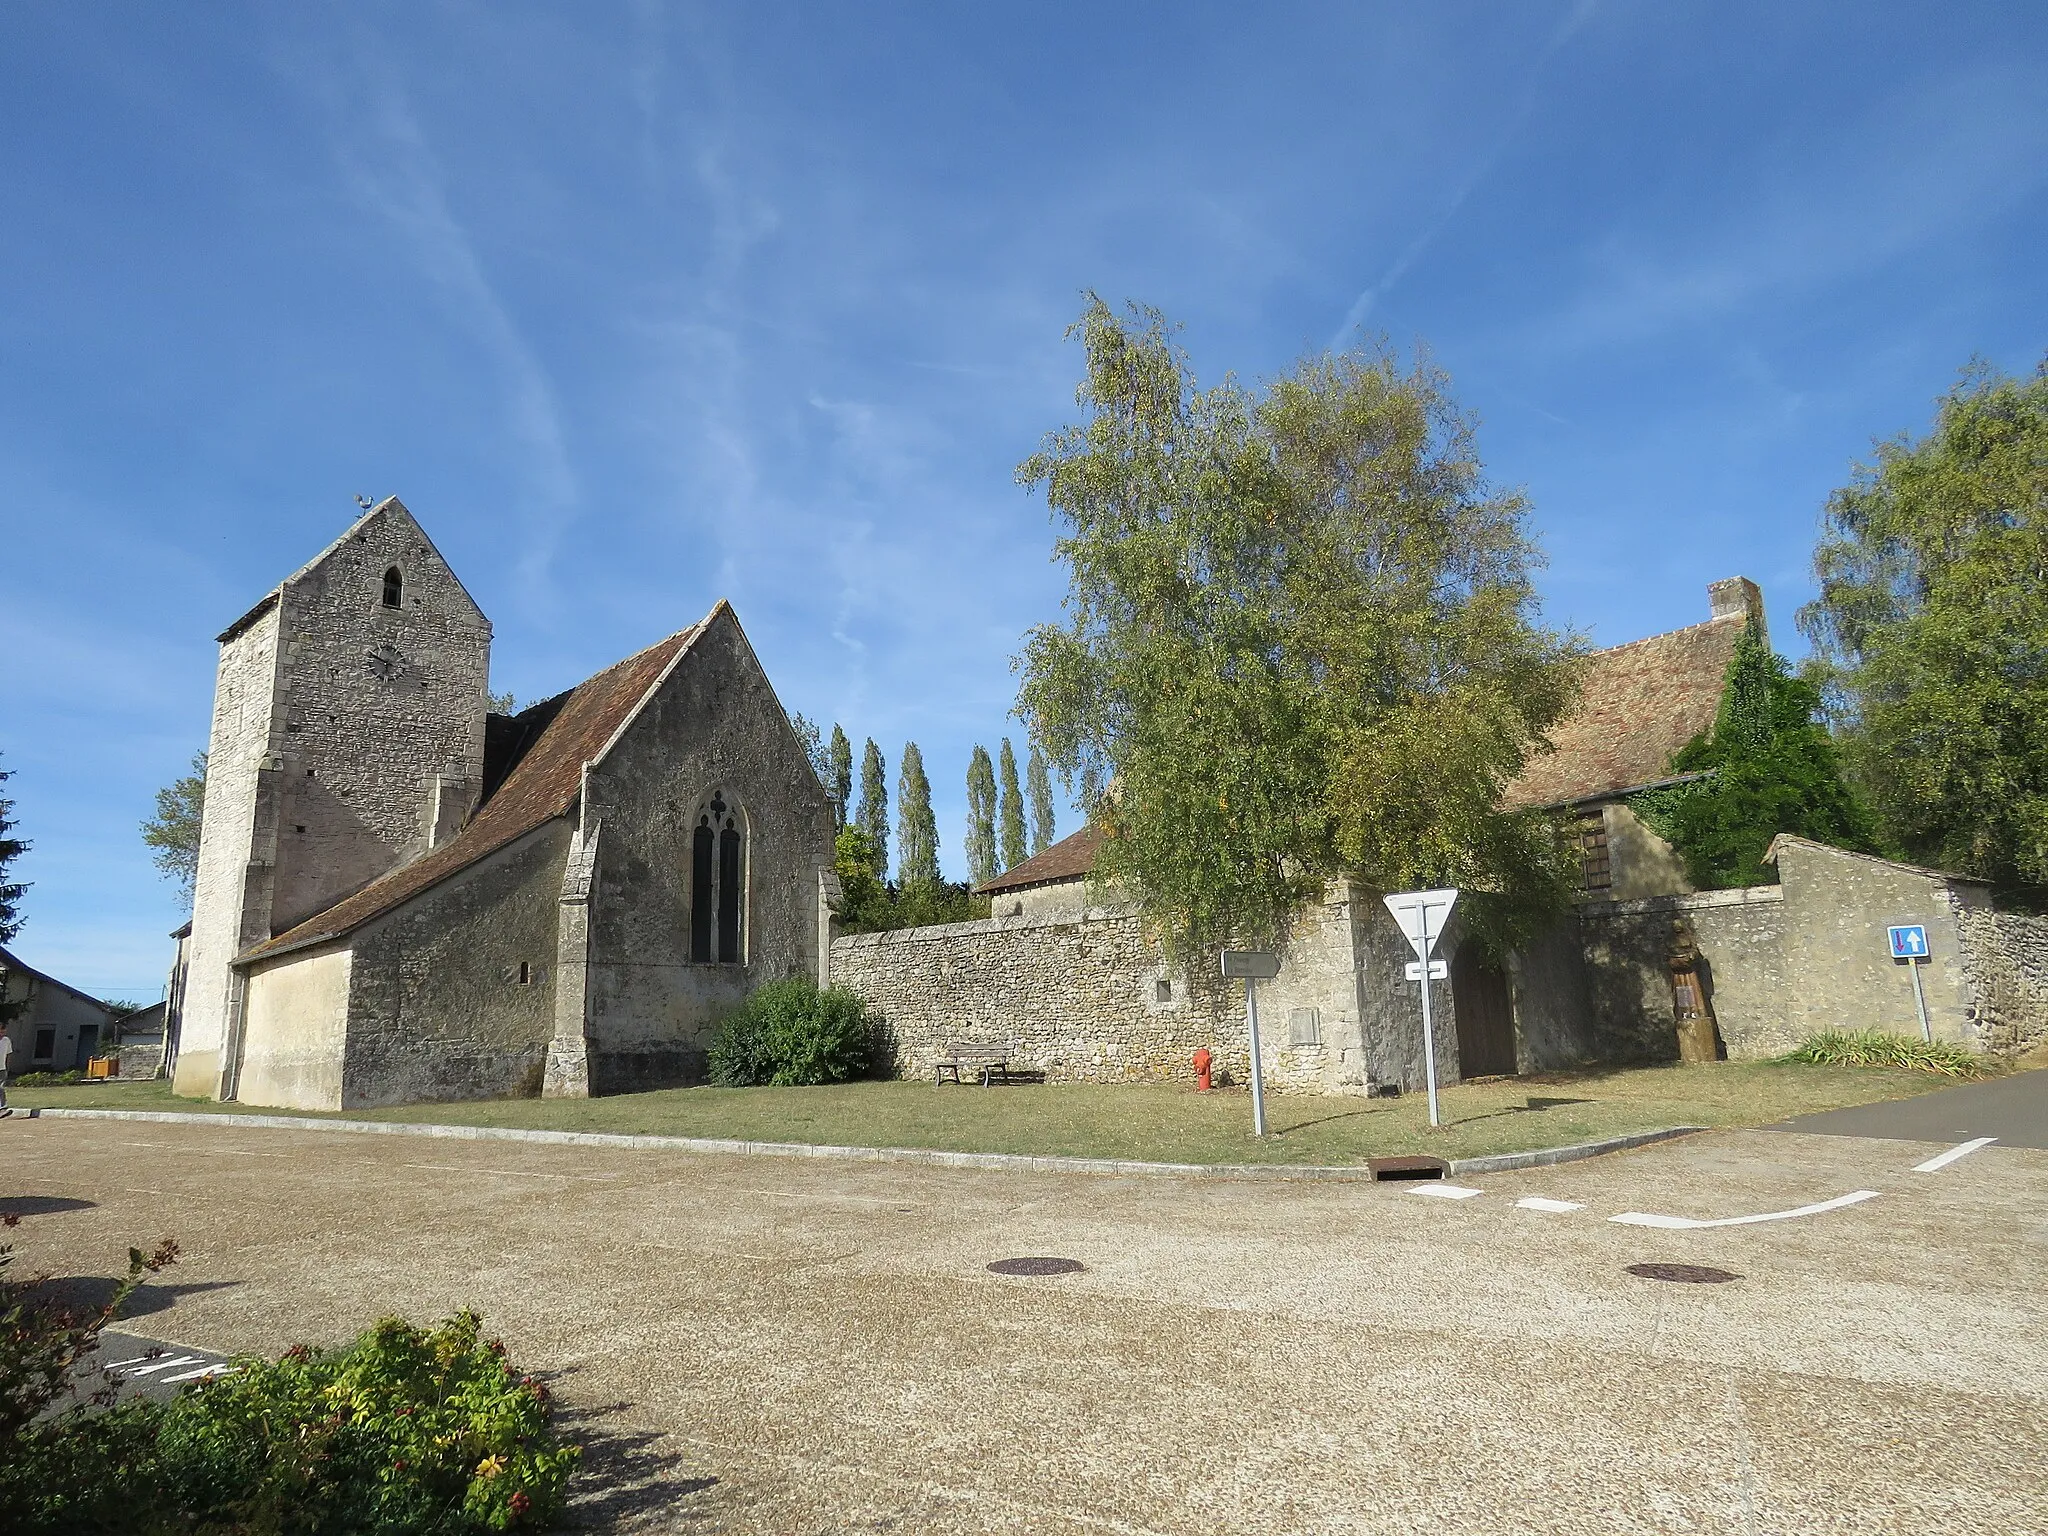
(766, 1346)
(135, 1366)
(2012, 1109)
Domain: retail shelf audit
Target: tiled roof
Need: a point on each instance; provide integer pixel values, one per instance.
(1068, 859)
(542, 786)
(1639, 704)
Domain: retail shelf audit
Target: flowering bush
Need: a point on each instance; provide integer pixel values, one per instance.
(407, 1430)
(791, 1034)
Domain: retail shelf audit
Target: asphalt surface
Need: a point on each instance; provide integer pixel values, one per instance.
(757, 1346)
(2013, 1109)
(131, 1365)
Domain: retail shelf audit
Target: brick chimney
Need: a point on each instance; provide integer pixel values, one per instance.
(1738, 596)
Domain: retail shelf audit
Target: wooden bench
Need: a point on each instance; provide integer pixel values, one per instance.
(990, 1058)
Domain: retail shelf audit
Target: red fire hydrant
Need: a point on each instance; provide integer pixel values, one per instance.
(1202, 1070)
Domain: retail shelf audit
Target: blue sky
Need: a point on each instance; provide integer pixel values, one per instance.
(639, 305)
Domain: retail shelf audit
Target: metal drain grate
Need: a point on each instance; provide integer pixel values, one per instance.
(1036, 1266)
(1385, 1168)
(1683, 1274)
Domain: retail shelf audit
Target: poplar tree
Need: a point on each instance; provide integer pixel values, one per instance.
(11, 891)
(873, 816)
(1038, 787)
(917, 830)
(841, 784)
(1302, 638)
(1012, 810)
(981, 818)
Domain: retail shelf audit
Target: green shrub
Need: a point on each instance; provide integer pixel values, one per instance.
(404, 1431)
(791, 1034)
(41, 1343)
(1873, 1048)
(48, 1079)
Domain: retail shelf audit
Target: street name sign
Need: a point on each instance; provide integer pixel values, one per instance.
(1255, 966)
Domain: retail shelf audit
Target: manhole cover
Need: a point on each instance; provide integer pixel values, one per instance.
(1036, 1267)
(1683, 1274)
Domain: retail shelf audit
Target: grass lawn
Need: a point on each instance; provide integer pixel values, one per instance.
(1157, 1124)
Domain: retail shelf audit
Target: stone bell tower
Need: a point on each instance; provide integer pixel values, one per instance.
(348, 738)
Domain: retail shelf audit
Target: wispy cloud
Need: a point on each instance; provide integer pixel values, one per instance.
(390, 170)
(1527, 99)
(1906, 174)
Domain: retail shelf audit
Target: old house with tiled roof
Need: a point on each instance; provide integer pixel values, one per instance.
(402, 896)
(1643, 967)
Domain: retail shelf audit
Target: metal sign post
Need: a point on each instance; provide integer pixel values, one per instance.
(1422, 915)
(1909, 943)
(1254, 966)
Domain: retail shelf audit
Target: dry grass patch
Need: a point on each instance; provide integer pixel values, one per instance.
(1156, 1123)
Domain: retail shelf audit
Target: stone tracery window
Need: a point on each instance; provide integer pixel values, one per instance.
(718, 884)
(394, 587)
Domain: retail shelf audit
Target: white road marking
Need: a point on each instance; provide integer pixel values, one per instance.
(1539, 1203)
(218, 1368)
(1936, 1164)
(1687, 1223)
(1446, 1191)
(122, 1365)
(164, 1365)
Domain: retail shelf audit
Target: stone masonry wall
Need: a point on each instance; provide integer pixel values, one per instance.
(452, 995)
(714, 725)
(1626, 971)
(1838, 965)
(378, 703)
(1089, 996)
(1079, 996)
(2006, 964)
(230, 905)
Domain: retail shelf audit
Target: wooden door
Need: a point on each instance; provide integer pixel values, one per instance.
(1486, 1017)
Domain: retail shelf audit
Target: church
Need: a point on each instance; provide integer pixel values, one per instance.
(402, 896)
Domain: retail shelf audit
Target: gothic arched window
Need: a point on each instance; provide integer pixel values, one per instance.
(718, 884)
(394, 587)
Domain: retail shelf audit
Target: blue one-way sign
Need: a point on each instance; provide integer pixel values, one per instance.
(1909, 942)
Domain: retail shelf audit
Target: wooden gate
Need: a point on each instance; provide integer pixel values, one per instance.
(1486, 1017)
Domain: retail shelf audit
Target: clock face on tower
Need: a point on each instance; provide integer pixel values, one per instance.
(387, 663)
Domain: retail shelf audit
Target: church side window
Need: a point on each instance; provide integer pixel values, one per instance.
(718, 885)
(394, 587)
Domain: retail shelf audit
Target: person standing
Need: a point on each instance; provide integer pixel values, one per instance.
(6, 1050)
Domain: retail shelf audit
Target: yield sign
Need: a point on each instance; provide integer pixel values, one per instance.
(1422, 915)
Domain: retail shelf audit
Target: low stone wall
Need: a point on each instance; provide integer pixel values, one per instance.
(1080, 995)
(1627, 947)
(2005, 963)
